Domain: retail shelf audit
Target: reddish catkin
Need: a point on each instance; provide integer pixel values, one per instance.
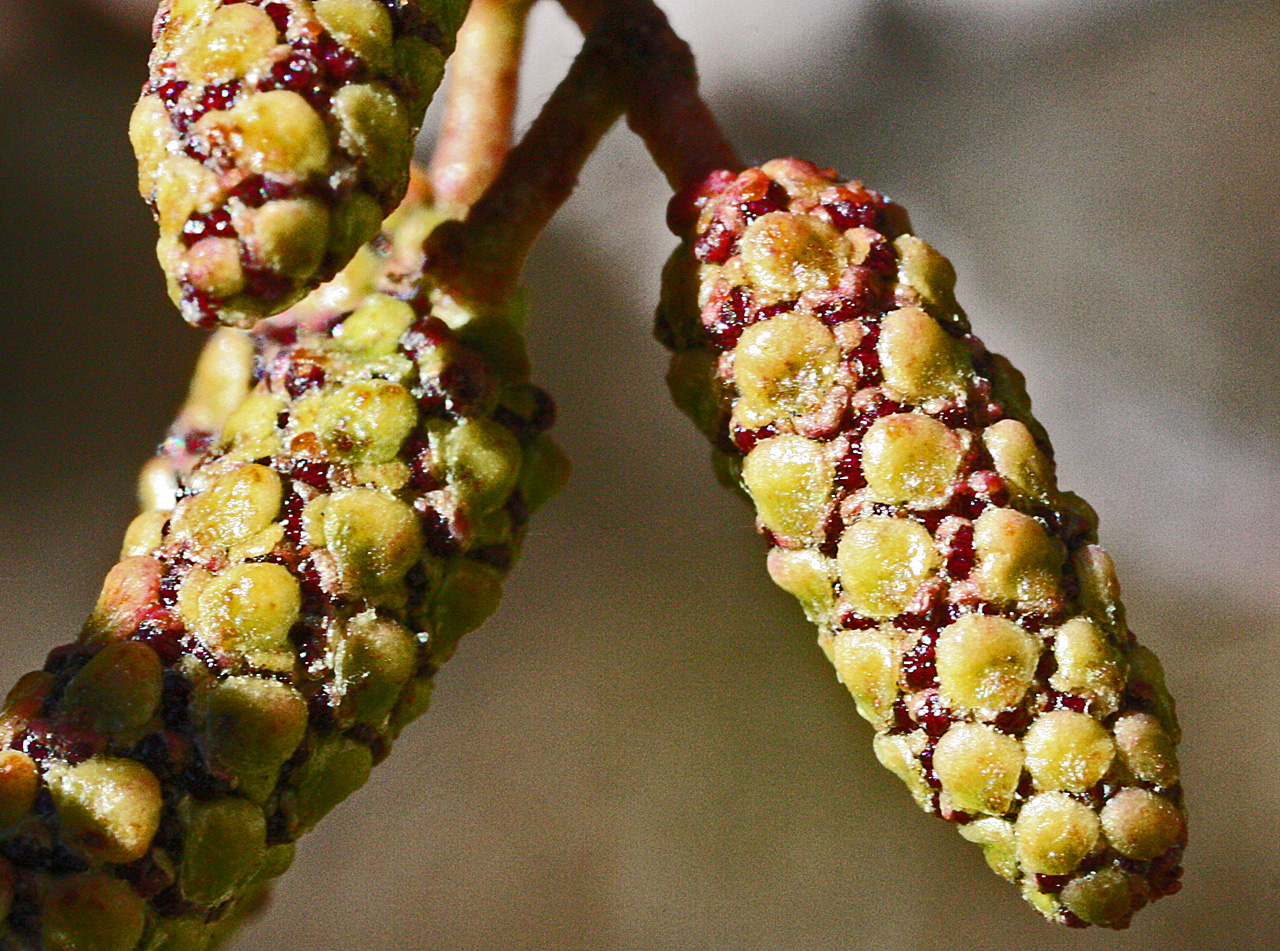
(273, 136)
(910, 503)
(339, 501)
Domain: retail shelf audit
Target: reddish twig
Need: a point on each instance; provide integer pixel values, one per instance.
(630, 60)
(475, 133)
(664, 107)
(481, 258)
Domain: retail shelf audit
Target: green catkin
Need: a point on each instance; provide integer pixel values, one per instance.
(910, 502)
(338, 502)
(273, 136)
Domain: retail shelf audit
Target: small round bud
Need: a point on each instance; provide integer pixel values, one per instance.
(1099, 587)
(336, 768)
(356, 219)
(375, 537)
(979, 768)
(414, 701)
(783, 366)
(468, 593)
(157, 491)
(899, 753)
(1068, 750)
(985, 664)
(286, 236)
(696, 390)
(129, 592)
(109, 807)
(1146, 678)
(250, 430)
(222, 377)
(807, 576)
(1087, 664)
(117, 691)
(867, 663)
(998, 843)
(1055, 833)
(367, 421)
(213, 266)
(1107, 897)
(363, 26)
(1146, 749)
(544, 471)
(235, 506)
(421, 66)
(145, 533)
(24, 703)
(1142, 824)
(223, 843)
(248, 609)
(883, 561)
(919, 359)
(375, 327)
(275, 862)
(233, 39)
(183, 185)
(482, 463)
(785, 255)
(1026, 470)
(790, 479)
(274, 132)
(372, 664)
(374, 128)
(931, 274)
(910, 458)
(150, 132)
(247, 727)
(1016, 558)
(91, 912)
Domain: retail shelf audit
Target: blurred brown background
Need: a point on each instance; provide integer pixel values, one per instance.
(643, 749)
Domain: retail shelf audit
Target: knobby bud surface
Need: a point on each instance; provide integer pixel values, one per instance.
(338, 502)
(273, 136)
(910, 502)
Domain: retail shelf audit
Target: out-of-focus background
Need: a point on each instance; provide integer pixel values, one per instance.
(644, 750)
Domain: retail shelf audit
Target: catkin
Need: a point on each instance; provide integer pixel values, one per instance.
(910, 503)
(273, 136)
(339, 501)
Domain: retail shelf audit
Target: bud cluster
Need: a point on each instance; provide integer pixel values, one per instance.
(910, 502)
(338, 503)
(273, 136)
